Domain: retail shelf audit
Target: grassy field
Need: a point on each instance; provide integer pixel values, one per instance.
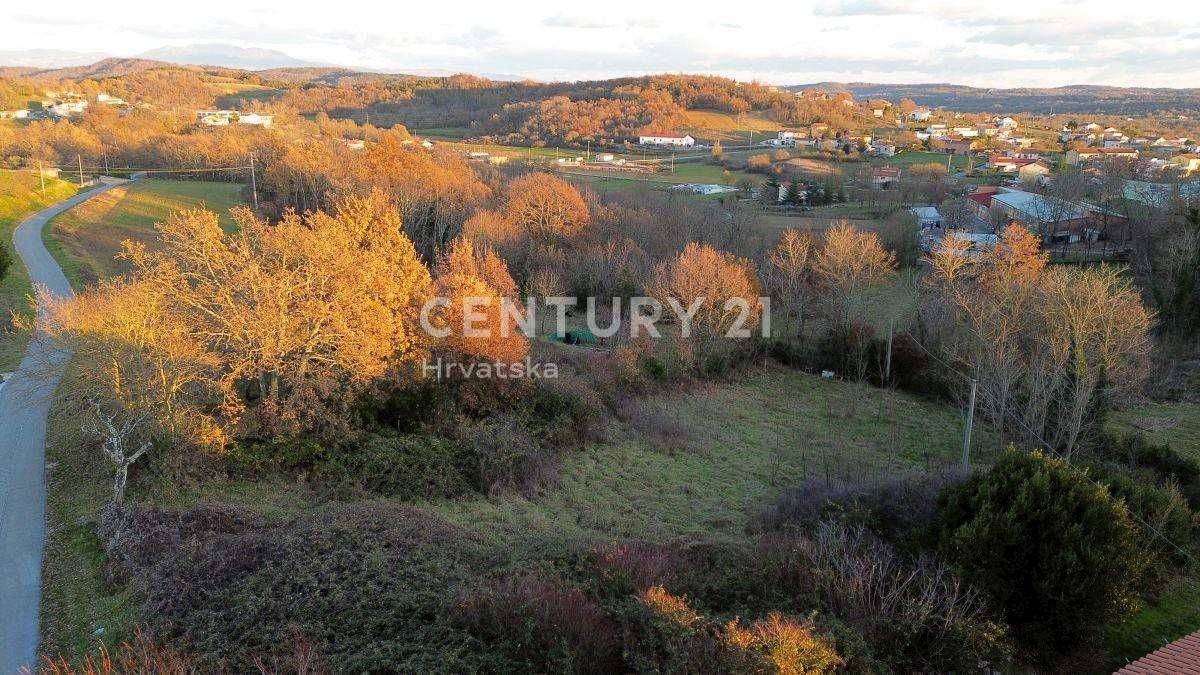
(1175, 613)
(909, 158)
(710, 125)
(703, 464)
(20, 195)
(1177, 423)
(681, 468)
(86, 239)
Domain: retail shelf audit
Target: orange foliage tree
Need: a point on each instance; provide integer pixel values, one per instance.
(725, 286)
(549, 208)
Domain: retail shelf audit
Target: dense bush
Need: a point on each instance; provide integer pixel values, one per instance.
(403, 466)
(897, 508)
(1051, 549)
(543, 622)
(365, 584)
(1160, 460)
(913, 611)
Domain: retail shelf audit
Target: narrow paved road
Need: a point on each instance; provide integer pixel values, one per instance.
(24, 403)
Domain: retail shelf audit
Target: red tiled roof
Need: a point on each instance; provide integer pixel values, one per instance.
(885, 172)
(1181, 657)
(983, 199)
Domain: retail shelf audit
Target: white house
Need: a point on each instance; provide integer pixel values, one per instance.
(883, 148)
(791, 136)
(68, 107)
(221, 118)
(927, 216)
(920, 115)
(676, 140)
(109, 100)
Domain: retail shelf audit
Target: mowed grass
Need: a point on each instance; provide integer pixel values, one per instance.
(20, 195)
(87, 239)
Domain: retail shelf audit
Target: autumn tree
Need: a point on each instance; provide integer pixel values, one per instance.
(789, 274)
(849, 263)
(721, 289)
(294, 317)
(549, 208)
(480, 314)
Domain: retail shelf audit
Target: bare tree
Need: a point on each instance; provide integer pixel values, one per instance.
(119, 434)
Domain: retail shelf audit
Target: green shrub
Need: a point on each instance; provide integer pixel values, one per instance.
(1052, 550)
(403, 466)
(365, 585)
(545, 622)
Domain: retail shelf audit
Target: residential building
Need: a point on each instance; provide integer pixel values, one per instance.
(790, 136)
(883, 148)
(1188, 162)
(221, 118)
(673, 140)
(1084, 155)
(959, 146)
(920, 115)
(878, 107)
(883, 177)
(109, 100)
(1034, 171)
(927, 217)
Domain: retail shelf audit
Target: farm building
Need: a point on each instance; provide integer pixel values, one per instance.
(677, 140)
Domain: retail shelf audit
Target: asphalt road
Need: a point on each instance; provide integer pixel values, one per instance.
(24, 403)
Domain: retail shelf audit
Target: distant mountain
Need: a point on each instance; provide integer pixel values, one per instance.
(110, 67)
(43, 59)
(229, 56)
(1096, 99)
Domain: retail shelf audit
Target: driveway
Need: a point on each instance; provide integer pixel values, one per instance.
(24, 403)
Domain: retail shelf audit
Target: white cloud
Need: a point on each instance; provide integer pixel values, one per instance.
(1049, 42)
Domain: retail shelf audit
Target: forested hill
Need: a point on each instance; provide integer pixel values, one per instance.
(1071, 99)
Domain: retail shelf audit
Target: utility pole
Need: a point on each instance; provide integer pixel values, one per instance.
(589, 151)
(672, 162)
(42, 177)
(80, 160)
(966, 454)
(253, 182)
(106, 160)
(887, 364)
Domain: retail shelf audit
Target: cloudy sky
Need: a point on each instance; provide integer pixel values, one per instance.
(1016, 43)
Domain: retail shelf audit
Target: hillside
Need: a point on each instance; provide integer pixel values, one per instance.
(1076, 98)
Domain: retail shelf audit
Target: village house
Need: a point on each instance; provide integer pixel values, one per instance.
(878, 107)
(1085, 155)
(670, 140)
(789, 137)
(14, 114)
(883, 177)
(959, 146)
(109, 100)
(927, 217)
(70, 105)
(221, 118)
(920, 115)
(1188, 162)
(1035, 171)
(883, 148)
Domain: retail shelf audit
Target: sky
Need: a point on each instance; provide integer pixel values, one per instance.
(998, 44)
